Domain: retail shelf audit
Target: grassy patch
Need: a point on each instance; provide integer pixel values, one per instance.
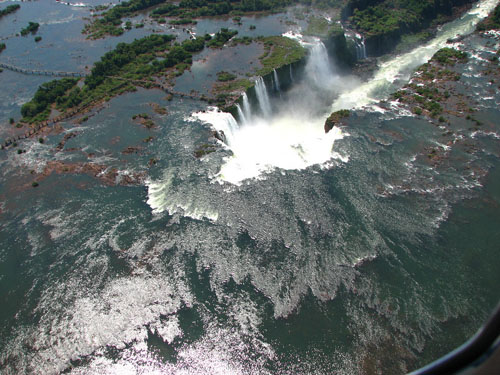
(449, 56)
(232, 86)
(317, 26)
(279, 51)
(335, 118)
(221, 38)
(223, 76)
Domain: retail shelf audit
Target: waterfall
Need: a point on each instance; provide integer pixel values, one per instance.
(291, 74)
(359, 42)
(293, 136)
(395, 72)
(363, 49)
(241, 114)
(247, 110)
(318, 67)
(223, 122)
(262, 97)
(276, 81)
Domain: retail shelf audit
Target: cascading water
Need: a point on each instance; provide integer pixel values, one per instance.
(394, 73)
(363, 49)
(276, 81)
(293, 136)
(241, 114)
(319, 68)
(359, 42)
(360, 49)
(247, 109)
(263, 97)
(291, 74)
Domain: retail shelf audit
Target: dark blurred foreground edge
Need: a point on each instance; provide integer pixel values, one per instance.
(478, 356)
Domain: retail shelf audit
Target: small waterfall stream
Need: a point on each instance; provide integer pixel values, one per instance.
(276, 81)
(241, 114)
(247, 109)
(263, 97)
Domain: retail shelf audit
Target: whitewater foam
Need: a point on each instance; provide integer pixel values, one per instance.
(164, 195)
(393, 73)
(286, 141)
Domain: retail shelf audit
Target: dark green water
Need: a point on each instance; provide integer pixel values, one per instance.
(373, 261)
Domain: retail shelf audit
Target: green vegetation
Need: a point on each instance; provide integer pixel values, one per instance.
(38, 38)
(2, 46)
(144, 119)
(136, 60)
(449, 56)
(409, 41)
(233, 86)
(279, 51)
(246, 40)
(9, 9)
(110, 21)
(221, 38)
(225, 76)
(345, 54)
(204, 149)
(38, 108)
(31, 28)
(99, 8)
(383, 22)
(492, 22)
(118, 71)
(34, 184)
(335, 118)
(182, 21)
(424, 94)
(207, 8)
(144, 116)
(317, 26)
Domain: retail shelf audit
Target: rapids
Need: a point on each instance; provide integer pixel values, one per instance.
(285, 251)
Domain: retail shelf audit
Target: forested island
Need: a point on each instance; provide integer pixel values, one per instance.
(31, 28)
(156, 60)
(150, 62)
(9, 9)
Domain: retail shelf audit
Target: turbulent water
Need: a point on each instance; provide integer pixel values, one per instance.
(286, 251)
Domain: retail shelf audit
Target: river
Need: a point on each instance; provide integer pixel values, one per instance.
(286, 251)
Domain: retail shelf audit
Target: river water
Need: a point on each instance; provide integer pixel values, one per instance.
(287, 251)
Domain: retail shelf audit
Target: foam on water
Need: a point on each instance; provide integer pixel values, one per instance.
(282, 141)
(164, 195)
